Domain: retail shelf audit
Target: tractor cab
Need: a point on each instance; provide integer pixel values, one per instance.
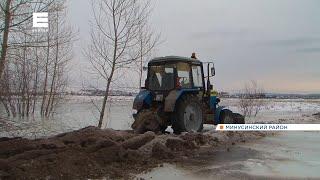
(178, 93)
(174, 73)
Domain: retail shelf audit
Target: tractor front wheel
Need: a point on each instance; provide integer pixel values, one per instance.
(188, 115)
(148, 120)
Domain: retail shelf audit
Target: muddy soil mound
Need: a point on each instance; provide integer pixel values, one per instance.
(95, 153)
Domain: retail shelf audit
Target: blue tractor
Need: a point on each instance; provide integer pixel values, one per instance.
(178, 93)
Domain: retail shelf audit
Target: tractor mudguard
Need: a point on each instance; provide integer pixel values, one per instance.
(174, 96)
(218, 114)
(144, 98)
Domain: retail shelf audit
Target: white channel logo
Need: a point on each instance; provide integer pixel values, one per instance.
(40, 20)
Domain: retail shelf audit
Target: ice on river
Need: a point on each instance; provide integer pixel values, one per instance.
(76, 112)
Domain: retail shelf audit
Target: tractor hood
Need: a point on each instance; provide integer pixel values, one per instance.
(142, 100)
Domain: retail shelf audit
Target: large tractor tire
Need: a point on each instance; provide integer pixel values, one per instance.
(188, 115)
(227, 117)
(147, 120)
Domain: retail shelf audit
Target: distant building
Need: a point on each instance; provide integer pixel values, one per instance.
(224, 94)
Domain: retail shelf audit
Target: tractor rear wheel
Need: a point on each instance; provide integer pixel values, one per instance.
(188, 115)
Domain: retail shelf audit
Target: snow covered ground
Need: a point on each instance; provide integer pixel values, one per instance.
(281, 105)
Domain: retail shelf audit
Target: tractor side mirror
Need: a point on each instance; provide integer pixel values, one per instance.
(213, 71)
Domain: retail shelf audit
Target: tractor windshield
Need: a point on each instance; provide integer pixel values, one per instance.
(161, 77)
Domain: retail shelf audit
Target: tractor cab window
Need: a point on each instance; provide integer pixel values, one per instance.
(183, 79)
(197, 76)
(161, 77)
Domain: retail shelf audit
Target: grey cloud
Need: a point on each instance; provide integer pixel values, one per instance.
(309, 50)
(225, 33)
(300, 41)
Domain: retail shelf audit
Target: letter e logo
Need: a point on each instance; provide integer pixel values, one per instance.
(40, 20)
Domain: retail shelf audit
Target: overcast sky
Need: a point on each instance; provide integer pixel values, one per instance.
(276, 42)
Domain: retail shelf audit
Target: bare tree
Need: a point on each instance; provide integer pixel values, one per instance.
(115, 38)
(251, 100)
(36, 61)
(16, 13)
(63, 37)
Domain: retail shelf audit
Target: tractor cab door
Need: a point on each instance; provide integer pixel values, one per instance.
(197, 76)
(183, 76)
(160, 78)
(190, 76)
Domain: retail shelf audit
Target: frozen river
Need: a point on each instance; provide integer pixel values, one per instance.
(77, 112)
(291, 155)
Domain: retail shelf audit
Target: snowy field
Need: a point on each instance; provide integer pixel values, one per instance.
(81, 111)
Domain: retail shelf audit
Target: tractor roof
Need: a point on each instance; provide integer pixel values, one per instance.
(174, 59)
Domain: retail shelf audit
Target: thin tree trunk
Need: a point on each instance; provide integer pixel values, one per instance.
(46, 77)
(104, 102)
(53, 99)
(5, 105)
(105, 99)
(141, 63)
(54, 70)
(9, 94)
(52, 84)
(35, 85)
(5, 36)
(24, 81)
(106, 95)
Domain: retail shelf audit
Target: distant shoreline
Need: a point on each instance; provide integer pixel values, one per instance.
(275, 96)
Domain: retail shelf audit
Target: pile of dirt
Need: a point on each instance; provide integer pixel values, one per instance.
(96, 153)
